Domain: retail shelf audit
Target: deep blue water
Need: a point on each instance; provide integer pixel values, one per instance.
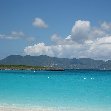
(70, 88)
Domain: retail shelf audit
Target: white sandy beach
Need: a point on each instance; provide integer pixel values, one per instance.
(13, 108)
(6, 108)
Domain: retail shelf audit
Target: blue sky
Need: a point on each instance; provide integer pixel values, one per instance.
(38, 27)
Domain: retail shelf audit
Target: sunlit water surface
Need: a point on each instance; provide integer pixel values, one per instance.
(70, 90)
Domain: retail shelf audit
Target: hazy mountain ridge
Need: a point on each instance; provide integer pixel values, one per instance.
(43, 60)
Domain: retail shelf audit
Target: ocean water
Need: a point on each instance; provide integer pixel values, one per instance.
(70, 90)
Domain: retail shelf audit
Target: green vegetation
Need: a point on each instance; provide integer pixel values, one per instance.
(22, 67)
(25, 67)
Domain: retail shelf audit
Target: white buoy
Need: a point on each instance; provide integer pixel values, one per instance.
(92, 78)
(84, 78)
(48, 77)
(34, 71)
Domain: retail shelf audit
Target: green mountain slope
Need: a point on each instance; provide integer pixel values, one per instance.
(43, 60)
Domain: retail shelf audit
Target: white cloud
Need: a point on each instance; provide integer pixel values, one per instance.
(12, 35)
(106, 26)
(84, 41)
(52, 50)
(16, 35)
(38, 22)
(68, 37)
(80, 31)
(57, 39)
(39, 49)
(100, 49)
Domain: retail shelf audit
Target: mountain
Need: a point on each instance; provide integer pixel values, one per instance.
(43, 60)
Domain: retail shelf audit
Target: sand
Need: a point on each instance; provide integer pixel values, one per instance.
(22, 109)
(6, 108)
(13, 108)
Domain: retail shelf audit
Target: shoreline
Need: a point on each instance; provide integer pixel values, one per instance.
(18, 108)
(14, 108)
(34, 108)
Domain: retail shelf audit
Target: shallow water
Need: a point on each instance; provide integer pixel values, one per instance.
(71, 89)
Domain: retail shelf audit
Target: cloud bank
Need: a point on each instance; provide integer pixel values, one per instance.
(84, 41)
(38, 22)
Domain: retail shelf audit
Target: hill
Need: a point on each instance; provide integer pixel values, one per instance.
(66, 63)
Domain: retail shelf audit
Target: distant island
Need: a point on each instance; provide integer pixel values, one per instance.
(44, 62)
(33, 68)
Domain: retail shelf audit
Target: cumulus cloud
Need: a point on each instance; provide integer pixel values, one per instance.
(84, 41)
(52, 50)
(80, 31)
(38, 22)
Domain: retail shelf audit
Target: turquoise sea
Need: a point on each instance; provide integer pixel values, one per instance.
(72, 90)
